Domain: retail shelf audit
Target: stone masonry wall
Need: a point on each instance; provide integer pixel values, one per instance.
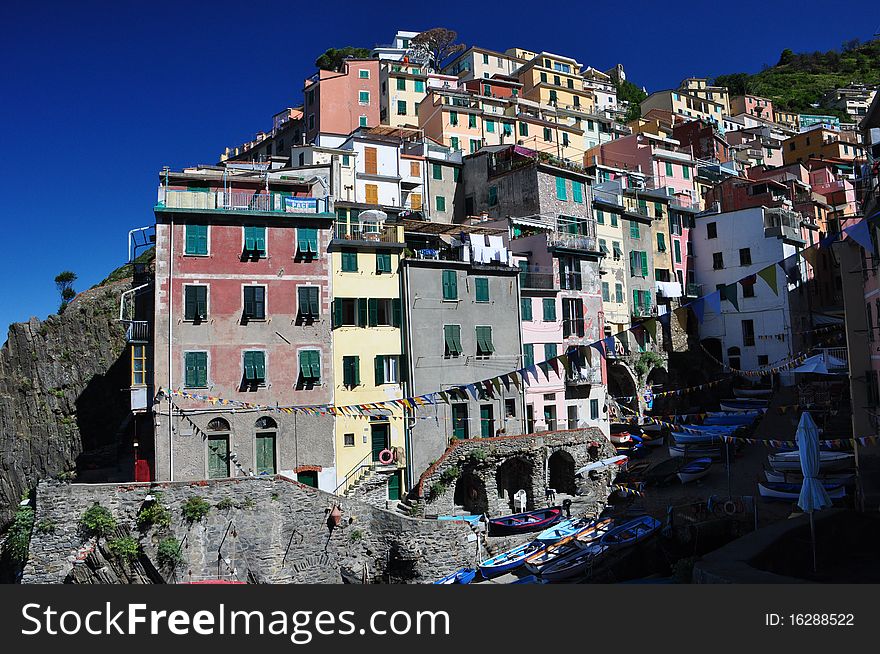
(272, 530)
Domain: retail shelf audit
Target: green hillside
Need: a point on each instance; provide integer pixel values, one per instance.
(798, 81)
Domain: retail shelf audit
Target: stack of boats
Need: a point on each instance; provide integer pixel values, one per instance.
(567, 549)
(784, 477)
(705, 440)
(634, 440)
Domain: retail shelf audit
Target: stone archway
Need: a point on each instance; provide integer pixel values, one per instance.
(622, 383)
(470, 493)
(560, 472)
(513, 475)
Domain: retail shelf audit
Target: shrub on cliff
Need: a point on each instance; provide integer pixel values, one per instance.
(125, 547)
(195, 509)
(97, 521)
(168, 553)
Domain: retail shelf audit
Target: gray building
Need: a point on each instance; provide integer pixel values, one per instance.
(461, 299)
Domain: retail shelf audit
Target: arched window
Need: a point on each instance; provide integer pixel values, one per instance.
(217, 444)
(218, 424)
(264, 445)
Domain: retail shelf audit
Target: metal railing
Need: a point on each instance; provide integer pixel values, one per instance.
(584, 376)
(693, 290)
(574, 241)
(838, 353)
(537, 280)
(240, 200)
(570, 281)
(365, 232)
(138, 331)
(355, 474)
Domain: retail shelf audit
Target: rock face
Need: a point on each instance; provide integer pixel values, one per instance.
(258, 529)
(60, 391)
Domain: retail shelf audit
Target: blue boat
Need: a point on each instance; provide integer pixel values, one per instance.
(463, 576)
(693, 470)
(683, 438)
(575, 564)
(509, 560)
(562, 529)
(472, 520)
(717, 429)
(730, 420)
(743, 405)
(631, 532)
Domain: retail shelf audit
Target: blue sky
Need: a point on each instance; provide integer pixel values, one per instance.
(98, 96)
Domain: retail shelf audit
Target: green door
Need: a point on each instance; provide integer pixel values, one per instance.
(486, 420)
(394, 486)
(379, 438)
(218, 457)
(308, 477)
(266, 454)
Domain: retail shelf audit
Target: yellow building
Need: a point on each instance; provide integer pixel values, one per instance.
(555, 80)
(367, 354)
(699, 86)
(684, 103)
(402, 87)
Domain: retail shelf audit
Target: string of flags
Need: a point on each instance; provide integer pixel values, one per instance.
(677, 392)
(576, 357)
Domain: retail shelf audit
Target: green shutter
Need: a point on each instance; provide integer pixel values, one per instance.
(526, 308)
(549, 351)
(383, 262)
(560, 188)
(189, 303)
(677, 247)
(577, 193)
(379, 369)
(450, 285)
(314, 306)
(362, 312)
(196, 365)
(336, 310)
(396, 313)
(196, 239)
(661, 242)
(349, 261)
(481, 287)
(644, 256)
(528, 355)
(668, 169)
(437, 171)
(373, 311)
(307, 240)
(549, 309)
(249, 304)
(634, 231)
(440, 203)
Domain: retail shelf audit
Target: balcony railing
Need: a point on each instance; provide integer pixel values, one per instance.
(138, 331)
(570, 281)
(693, 290)
(585, 375)
(573, 241)
(607, 197)
(783, 224)
(231, 200)
(836, 358)
(537, 280)
(643, 309)
(366, 232)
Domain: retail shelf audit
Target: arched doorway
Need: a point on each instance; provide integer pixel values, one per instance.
(622, 385)
(470, 493)
(560, 472)
(266, 431)
(514, 475)
(218, 453)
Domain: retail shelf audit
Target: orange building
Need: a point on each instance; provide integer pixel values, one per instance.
(340, 102)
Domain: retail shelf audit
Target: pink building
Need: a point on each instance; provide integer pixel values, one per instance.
(340, 102)
(752, 105)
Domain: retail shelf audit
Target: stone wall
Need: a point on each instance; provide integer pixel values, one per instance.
(483, 465)
(262, 529)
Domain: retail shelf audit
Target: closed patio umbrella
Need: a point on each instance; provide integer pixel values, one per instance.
(813, 496)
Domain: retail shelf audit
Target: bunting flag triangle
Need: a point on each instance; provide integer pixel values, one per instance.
(651, 328)
(791, 269)
(665, 319)
(563, 359)
(496, 382)
(729, 293)
(810, 255)
(554, 364)
(587, 354)
(861, 234)
(505, 379)
(514, 378)
(699, 309)
(545, 368)
(768, 274)
(713, 302)
(623, 337)
(472, 389)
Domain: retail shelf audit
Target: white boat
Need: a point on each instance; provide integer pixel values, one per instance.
(752, 392)
(698, 451)
(693, 470)
(747, 405)
(796, 477)
(621, 438)
(618, 461)
(828, 461)
(791, 492)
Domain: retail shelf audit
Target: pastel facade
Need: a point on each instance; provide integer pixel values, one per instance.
(752, 105)
(341, 102)
(402, 87)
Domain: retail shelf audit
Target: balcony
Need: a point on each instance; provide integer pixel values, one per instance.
(585, 376)
(138, 331)
(643, 310)
(541, 281)
(607, 198)
(784, 224)
(570, 281)
(693, 290)
(573, 241)
(240, 201)
(370, 232)
(836, 358)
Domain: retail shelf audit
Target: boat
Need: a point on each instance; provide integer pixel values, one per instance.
(575, 564)
(752, 392)
(509, 560)
(463, 576)
(472, 520)
(686, 438)
(693, 470)
(621, 438)
(593, 532)
(738, 404)
(651, 428)
(731, 420)
(551, 553)
(754, 413)
(699, 451)
(791, 492)
(560, 530)
(828, 461)
(630, 533)
(521, 523)
(618, 461)
(796, 477)
(663, 471)
(634, 471)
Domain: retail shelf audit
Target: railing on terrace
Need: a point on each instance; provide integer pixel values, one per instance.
(461, 253)
(586, 375)
(836, 358)
(138, 331)
(573, 241)
(570, 281)
(365, 232)
(783, 223)
(693, 290)
(537, 280)
(607, 197)
(232, 200)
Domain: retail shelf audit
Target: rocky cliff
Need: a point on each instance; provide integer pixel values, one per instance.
(61, 382)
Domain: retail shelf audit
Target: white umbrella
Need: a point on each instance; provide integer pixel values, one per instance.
(813, 496)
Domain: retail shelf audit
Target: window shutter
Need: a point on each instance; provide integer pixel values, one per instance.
(661, 242)
(644, 256)
(526, 308)
(249, 307)
(259, 365)
(303, 301)
(314, 307)
(456, 338)
(632, 264)
(560, 188)
(373, 307)
(190, 369)
(362, 312)
(528, 355)
(577, 191)
(201, 301)
(336, 310)
(396, 313)
(304, 364)
(356, 370)
(250, 239)
(190, 312)
(379, 370)
(260, 233)
(249, 372)
(315, 357)
(260, 302)
(549, 309)
(191, 239)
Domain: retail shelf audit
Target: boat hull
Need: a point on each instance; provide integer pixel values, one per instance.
(510, 560)
(630, 533)
(694, 470)
(523, 523)
(828, 461)
(791, 492)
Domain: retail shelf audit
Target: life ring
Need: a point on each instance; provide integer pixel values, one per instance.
(386, 457)
(730, 507)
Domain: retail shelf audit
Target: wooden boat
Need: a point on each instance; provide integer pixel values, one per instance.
(630, 533)
(575, 564)
(582, 538)
(653, 439)
(509, 560)
(463, 576)
(743, 404)
(828, 461)
(472, 520)
(696, 451)
(522, 523)
(686, 438)
(618, 461)
(694, 470)
(651, 428)
(796, 477)
(634, 470)
(791, 492)
(560, 530)
(755, 413)
(752, 392)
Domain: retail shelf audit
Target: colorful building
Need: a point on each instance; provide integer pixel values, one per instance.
(339, 102)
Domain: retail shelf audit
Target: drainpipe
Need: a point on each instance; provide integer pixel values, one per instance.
(170, 337)
(409, 386)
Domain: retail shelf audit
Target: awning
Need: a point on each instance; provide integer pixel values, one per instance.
(818, 364)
